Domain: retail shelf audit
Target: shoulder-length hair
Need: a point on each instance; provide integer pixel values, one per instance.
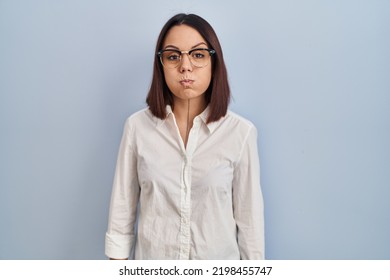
(218, 93)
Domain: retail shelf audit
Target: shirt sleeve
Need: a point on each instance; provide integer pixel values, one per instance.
(120, 236)
(248, 200)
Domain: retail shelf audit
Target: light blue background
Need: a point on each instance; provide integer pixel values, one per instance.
(314, 76)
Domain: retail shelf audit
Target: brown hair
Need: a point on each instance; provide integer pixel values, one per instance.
(218, 93)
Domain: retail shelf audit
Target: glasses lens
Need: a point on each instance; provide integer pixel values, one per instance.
(170, 58)
(199, 57)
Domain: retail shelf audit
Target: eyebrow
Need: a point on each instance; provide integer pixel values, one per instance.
(174, 47)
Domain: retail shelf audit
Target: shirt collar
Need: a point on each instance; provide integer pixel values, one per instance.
(169, 111)
(203, 116)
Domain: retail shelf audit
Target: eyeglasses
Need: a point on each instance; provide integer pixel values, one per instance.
(170, 58)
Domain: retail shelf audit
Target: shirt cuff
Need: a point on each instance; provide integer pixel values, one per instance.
(118, 246)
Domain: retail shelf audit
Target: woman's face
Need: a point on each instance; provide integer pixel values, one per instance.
(186, 81)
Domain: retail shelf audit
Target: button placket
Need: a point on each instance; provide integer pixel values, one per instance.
(186, 191)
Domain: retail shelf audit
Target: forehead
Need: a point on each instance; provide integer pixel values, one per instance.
(183, 37)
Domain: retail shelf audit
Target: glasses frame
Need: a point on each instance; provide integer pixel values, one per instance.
(160, 53)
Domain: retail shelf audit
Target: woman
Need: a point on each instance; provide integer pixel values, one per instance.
(190, 165)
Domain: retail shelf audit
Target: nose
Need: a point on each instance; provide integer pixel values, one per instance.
(185, 63)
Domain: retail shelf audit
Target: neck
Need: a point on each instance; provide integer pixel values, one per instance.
(188, 109)
(185, 111)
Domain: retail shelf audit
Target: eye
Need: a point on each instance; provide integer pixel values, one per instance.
(173, 57)
(198, 54)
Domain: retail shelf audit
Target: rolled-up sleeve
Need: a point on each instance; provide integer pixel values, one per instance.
(248, 200)
(120, 236)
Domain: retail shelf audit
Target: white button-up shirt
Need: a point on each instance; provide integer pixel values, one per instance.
(199, 202)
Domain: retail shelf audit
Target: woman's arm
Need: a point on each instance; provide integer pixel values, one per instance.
(120, 236)
(248, 200)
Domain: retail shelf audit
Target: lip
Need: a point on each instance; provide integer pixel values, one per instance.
(186, 82)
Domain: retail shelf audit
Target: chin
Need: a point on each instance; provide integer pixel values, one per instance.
(193, 95)
(187, 94)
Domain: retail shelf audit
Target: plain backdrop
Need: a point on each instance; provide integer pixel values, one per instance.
(313, 76)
